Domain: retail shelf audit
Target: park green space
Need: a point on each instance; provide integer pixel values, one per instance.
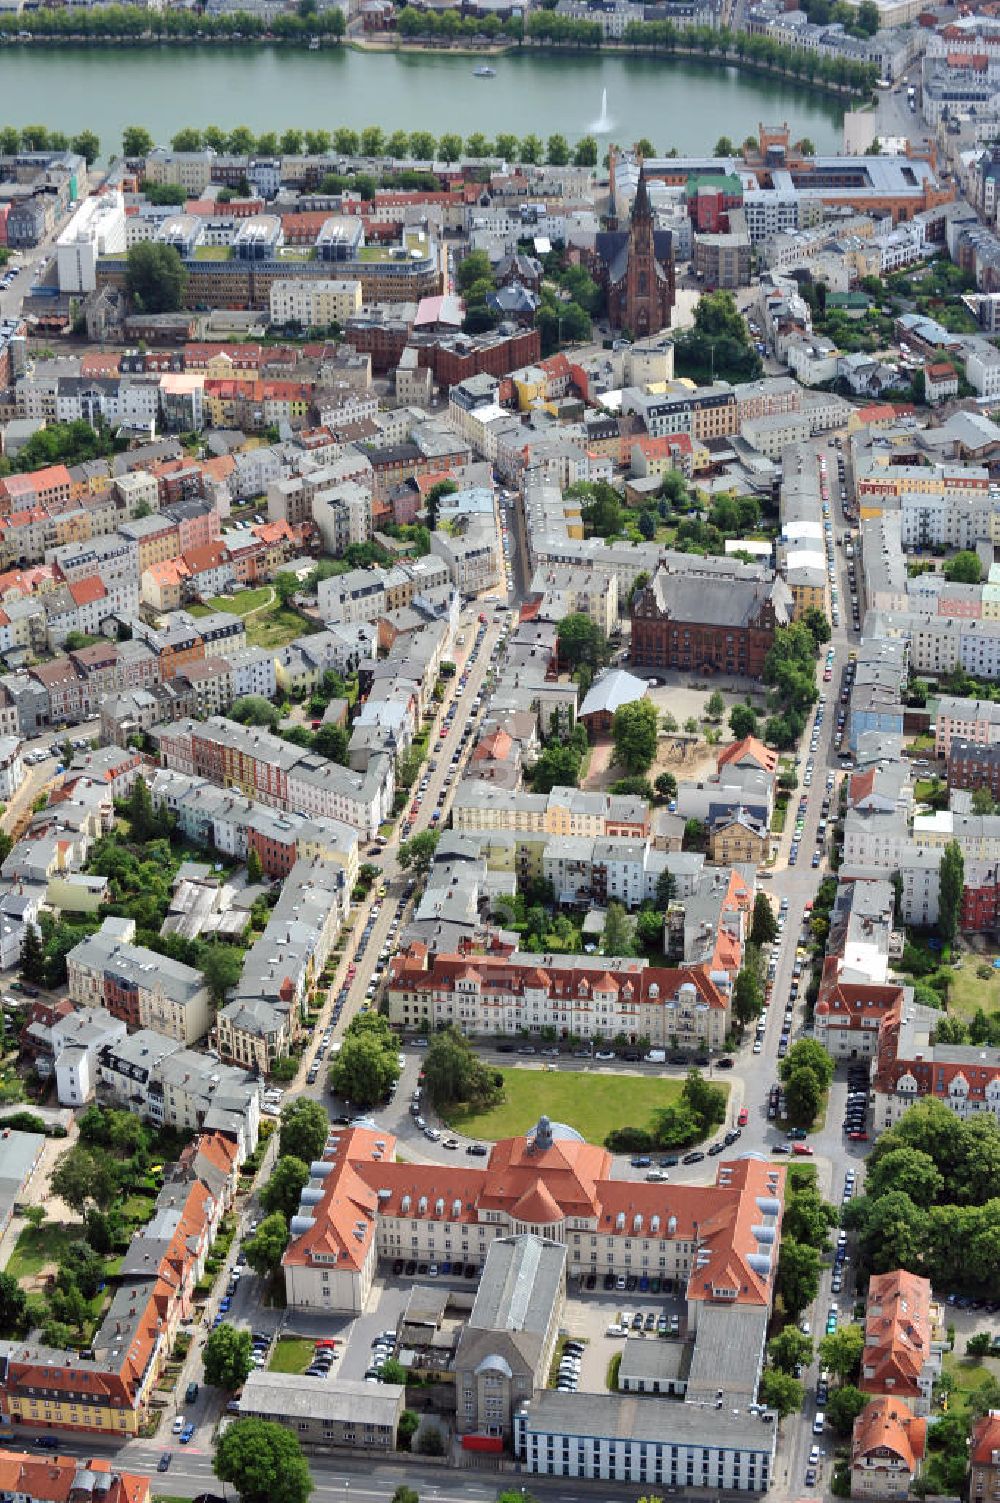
(968, 1374)
(593, 1103)
(268, 624)
(240, 604)
(969, 992)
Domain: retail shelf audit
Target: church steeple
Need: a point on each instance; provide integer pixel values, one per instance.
(641, 209)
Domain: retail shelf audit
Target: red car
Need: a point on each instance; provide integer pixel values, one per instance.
(858, 1137)
(743, 1118)
(804, 1150)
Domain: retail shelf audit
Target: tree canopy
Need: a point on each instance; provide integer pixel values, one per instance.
(367, 1067)
(263, 1461)
(284, 1188)
(264, 1249)
(951, 885)
(634, 728)
(304, 1129)
(155, 277)
(580, 640)
(453, 1072)
(933, 1187)
(963, 568)
(227, 1357)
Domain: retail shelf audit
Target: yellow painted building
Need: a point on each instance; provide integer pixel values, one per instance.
(159, 547)
(531, 384)
(739, 840)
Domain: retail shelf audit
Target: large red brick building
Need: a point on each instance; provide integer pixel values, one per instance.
(708, 621)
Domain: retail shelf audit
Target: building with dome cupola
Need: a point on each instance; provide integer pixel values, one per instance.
(716, 1243)
(544, 1211)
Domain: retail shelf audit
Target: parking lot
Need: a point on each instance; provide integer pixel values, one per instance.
(588, 1317)
(386, 1305)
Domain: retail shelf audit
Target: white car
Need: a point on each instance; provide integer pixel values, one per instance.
(178, 1424)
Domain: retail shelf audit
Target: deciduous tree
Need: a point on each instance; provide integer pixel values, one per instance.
(263, 1461)
(843, 1407)
(136, 141)
(841, 1350)
(634, 729)
(87, 145)
(284, 1189)
(13, 1305)
(304, 1129)
(85, 1177)
(617, 937)
(264, 1249)
(155, 277)
(791, 1348)
(743, 721)
(580, 640)
(780, 1391)
(418, 852)
(453, 1072)
(798, 1276)
(364, 1071)
(227, 1357)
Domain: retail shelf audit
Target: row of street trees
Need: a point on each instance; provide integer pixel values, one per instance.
(132, 22)
(15, 138)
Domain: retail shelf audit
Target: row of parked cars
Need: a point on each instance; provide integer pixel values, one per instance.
(570, 1363)
(626, 1324)
(433, 1270)
(856, 1110)
(383, 1347)
(325, 1354)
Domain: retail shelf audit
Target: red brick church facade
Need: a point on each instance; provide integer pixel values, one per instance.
(638, 271)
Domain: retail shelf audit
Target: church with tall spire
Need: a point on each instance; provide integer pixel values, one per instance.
(637, 268)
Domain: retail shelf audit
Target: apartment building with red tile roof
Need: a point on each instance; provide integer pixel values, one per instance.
(719, 1241)
(153, 1292)
(68, 1479)
(100, 363)
(910, 1065)
(887, 1449)
(750, 752)
(902, 1355)
(245, 357)
(984, 1459)
(39, 488)
(492, 994)
(849, 1014)
(87, 591)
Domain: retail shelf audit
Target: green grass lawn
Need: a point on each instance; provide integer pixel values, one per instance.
(969, 1374)
(592, 1103)
(277, 627)
(243, 602)
(292, 1354)
(38, 1246)
(968, 993)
